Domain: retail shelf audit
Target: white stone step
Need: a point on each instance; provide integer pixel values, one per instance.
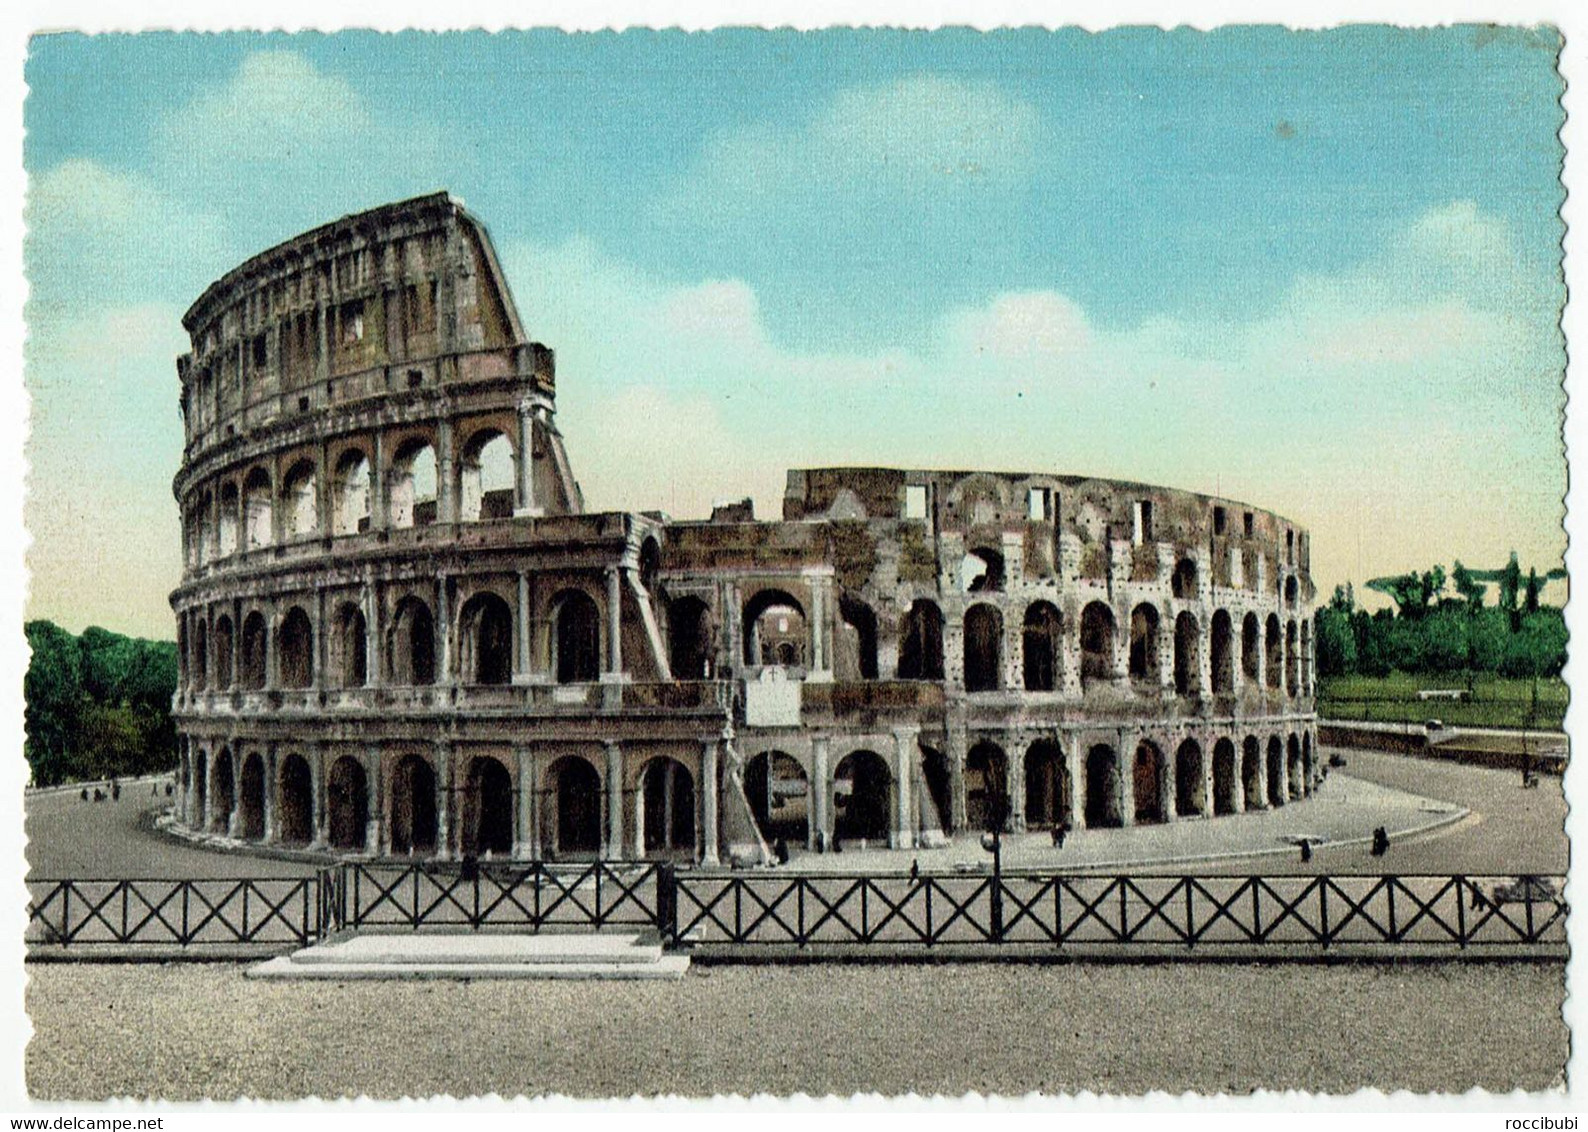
(483, 948)
(283, 967)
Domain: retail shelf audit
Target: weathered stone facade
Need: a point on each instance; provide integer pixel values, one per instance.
(401, 633)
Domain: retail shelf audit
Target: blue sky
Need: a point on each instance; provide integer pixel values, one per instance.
(1317, 271)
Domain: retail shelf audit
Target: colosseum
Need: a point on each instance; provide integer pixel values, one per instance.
(402, 634)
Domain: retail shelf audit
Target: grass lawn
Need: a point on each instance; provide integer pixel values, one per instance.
(1496, 701)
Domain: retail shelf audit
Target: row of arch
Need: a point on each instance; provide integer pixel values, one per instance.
(251, 511)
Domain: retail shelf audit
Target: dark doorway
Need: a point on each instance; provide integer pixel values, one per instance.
(576, 789)
(413, 806)
(347, 792)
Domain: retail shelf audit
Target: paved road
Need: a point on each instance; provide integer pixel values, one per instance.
(1511, 830)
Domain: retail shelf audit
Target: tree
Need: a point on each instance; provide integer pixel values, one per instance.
(1336, 641)
(53, 690)
(1530, 602)
(1470, 589)
(1510, 583)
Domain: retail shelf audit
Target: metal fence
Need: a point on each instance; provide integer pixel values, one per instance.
(796, 911)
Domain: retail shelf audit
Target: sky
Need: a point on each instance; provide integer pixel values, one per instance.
(1318, 272)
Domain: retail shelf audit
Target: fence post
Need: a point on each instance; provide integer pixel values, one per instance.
(667, 901)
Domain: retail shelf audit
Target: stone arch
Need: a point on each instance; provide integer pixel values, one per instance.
(577, 637)
(486, 640)
(412, 500)
(1291, 588)
(1187, 656)
(1296, 782)
(986, 786)
(573, 788)
(863, 804)
(1189, 780)
(258, 509)
(487, 809)
(982, 570)
(1097, 643)
(1276, 772)
(251, 799)
(689, 638)
(1144, 643)
(937, 798)
(779, 793)
(413, 824)
(411, 643)
(1042, 646)
(349, 645)
(1222, 654)
(855, 652)
(254, 650)
(224, 650)
(295, 649)
(1183, 583)
(984, 630)
(226, 525)
(1250, 639)
(1148, 781)
(775, 630)
(1047, 785)
(295, 801)
(300, 504)
(347, 798)
(350, 493)
(921, 642)
(1292, 681)
(1227, 796)
(223, 794)
(1102, 788)
(1252, 773)
(487, 477)
(1272, 658)
(667, 807)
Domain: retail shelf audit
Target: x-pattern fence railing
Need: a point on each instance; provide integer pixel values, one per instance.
(800, 910)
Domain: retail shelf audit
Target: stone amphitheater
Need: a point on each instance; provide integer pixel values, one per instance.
(402, 634)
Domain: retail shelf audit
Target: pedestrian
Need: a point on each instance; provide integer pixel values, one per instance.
(84, 794)
(115, 791)
(1058, 836)
(781, 849)
(915, 869)
(1380, 841)
(1306, 850)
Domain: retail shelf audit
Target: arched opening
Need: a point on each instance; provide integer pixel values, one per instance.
(251, 799)
(1223, 656)
(1187, 658)
(350, 662)
(774, 630)
(1097, 643)
(667, 808)
(1226, 789)
(487, 809)
(413, 806)
(198, 668)
(201, 781)
(1292, 684)
(253, 666)
(347, 793)
(1102, 788)
(1290, 590)
(984, 628)
(855, 651)
(295, 802)
(300, 505)
(1271, 653)
(486, 478)
(1276, 772)
(1183, 583)
(577, 637)
(223, 795)
(862, 791)
(986, 787)
(226, 533)
(257, 509)
(1296, 783)
(1249, 648)
(1041, 644)
(413, 486)
(411, 648)
(1190, 781)
(921, 642)
(224, 651)
(1047, 786)
(295, 649)
(1144, 643)
(575, 791)
(350, 499)
(779, 794)
(1252, 773)
(689, 639)
(939, 782)
(487, 640)
(1147, 781)
(982, 571)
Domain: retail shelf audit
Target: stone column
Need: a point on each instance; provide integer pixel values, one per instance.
(319, 812)
(319, 652)
(521, 642)
(613, 848)
(443, 633)
(904, 759)
(524, 826)
(955, 752)
(379, 514)
(376, 837)
(443, 801)
(821, 789)
(268, 611)
(234, 757)
(525, 503)
(1015, 776)
(818, 629)
(614, 669)
(446, 474)
(709, 787)
(270, 793)
(374, 671)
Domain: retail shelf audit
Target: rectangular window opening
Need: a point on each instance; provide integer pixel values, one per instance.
(1144, 521)
(915, 501)
(1251, 525)
(1220, 520)
(1039, 504)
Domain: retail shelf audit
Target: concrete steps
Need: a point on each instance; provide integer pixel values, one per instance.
(477, 956)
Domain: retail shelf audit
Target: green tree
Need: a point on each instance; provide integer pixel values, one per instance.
(53, 691)
(1336, 641)
(1530, 601)
(1470, 589)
